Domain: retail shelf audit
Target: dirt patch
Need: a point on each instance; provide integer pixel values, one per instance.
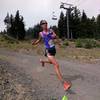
(15, 85)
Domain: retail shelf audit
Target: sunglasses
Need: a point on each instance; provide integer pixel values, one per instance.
(43, 23)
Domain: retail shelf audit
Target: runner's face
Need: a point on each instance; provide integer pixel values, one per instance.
(44, 26)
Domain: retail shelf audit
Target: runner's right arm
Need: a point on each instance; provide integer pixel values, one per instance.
(37, 41)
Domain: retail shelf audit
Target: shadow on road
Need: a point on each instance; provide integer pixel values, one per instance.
(73, 77)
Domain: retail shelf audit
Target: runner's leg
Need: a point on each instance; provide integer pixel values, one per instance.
(56, 65)
(45, 61)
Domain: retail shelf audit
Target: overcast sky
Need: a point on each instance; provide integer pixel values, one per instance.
(35, 10)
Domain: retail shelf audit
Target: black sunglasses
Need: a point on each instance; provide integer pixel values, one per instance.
(43, 23)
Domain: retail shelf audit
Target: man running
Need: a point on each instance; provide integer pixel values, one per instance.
(50, 50)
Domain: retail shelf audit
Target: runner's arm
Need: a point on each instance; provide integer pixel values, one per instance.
(37, 41)
(57, 39)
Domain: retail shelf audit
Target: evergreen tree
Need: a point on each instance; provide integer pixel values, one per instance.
(12, 27)
(84, 17)
(29, 33)
(36, 30)
(7, 22)
(33, 32)
(87, 26)
(15, 26)
(98, 26)
(61, 23)
(75, 22)
(19, 26)
(80, 26)
(83, 26)
(92, 29)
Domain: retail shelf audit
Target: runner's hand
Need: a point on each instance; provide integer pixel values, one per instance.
(33, 42)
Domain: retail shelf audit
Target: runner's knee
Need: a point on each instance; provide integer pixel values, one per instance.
(56, 65)
(54, 62)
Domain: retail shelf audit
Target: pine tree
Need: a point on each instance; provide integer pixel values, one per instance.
(36, 30)
(98, 26)
(61, 25)
(84, 17)
(93, 27)
(75, 22)
(7, 22)
(15, 26)
(19, 26)
(87, 26)
(83, 26)
(12, 28)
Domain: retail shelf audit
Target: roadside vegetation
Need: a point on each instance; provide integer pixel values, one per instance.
(80, 49)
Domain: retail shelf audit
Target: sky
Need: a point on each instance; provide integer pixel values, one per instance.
(35, 10)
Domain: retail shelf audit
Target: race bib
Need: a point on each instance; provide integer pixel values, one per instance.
(51, 43)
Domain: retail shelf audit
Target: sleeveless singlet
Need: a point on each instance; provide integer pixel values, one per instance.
(48, 40)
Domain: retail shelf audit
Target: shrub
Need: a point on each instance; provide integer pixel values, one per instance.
(86, 43)
(89, 43)
(78, 43)
(65, 43)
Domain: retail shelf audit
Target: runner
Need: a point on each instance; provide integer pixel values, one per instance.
(50, 50)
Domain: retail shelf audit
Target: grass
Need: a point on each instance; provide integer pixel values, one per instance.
(68, 50)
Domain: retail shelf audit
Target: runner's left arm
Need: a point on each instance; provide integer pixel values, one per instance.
(57, 39)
